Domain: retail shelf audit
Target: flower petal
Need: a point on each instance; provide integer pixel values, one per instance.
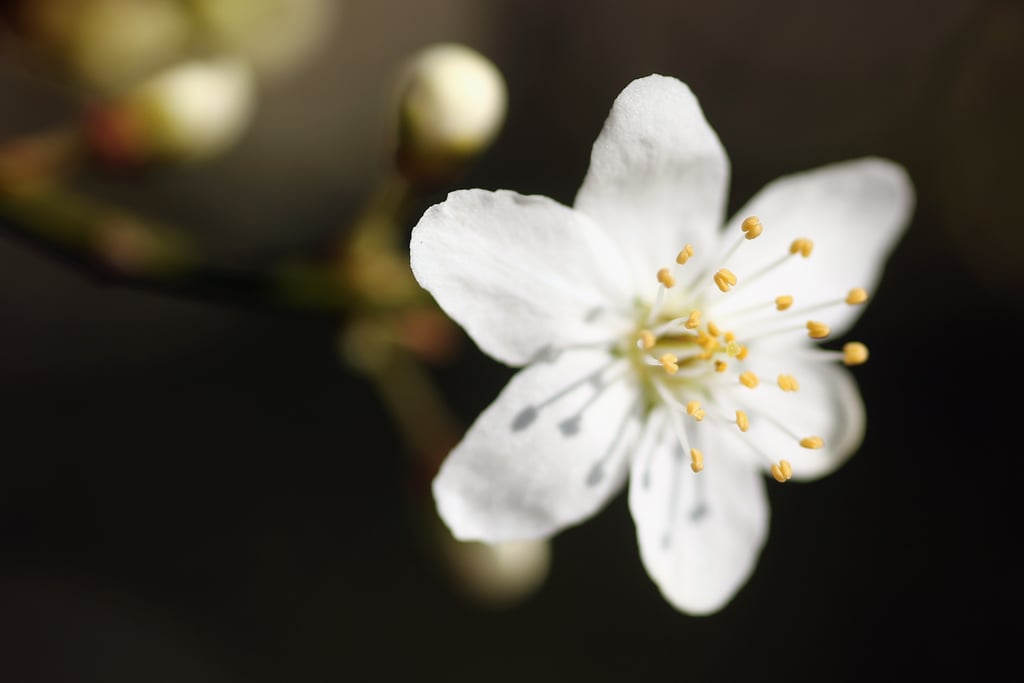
(700, 534)
(854, 211)
(827, 405)
(548, 453)
(658, 176)
(521, 274)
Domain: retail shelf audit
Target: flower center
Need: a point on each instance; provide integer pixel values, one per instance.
(685, 360)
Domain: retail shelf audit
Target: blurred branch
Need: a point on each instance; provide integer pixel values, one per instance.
(112, 245)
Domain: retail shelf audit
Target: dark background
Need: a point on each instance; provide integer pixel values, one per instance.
(193, 491)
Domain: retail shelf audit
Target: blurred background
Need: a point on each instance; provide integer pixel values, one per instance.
(198, 485)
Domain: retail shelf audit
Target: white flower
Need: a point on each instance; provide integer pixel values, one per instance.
(694, 375)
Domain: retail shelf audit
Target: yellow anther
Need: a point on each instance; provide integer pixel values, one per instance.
(730, 336)
(741, 354)
(788, 383)
(856, 296)
(714, 330)
(706, 341)
(749, 379)
(783, 302)
(647, 339)
(812, 442)
(668, 361)
(742, 421)
(692, 407)
(724, 279)
(721, 366)
(817, 330)
(802, 246)
(782, 471)
(752, 227)
(665, 278)
(693, 322)
(699, 414)
(696, 460)
(855, 353)
(685, 254)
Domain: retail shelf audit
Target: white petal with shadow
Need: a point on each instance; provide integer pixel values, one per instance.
(700, 534)
(828, 404)
(548, 453)
(854, 212)
(520, 274)
(658, 176)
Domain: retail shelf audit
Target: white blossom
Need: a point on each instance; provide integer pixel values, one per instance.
(659, 347)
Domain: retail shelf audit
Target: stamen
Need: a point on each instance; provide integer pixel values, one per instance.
(812, 442)
(783, 302)
(668, 362)
(693, 322)
(659, 300)
(714, 330)
(856, 296)
(749, 379)
(696, 460)
(674, 420)
(685, 254)
(725, 279)
(752, 227)
(766, 269)
(647, 339)
(706, 341)
(693, 408)
(855, 353)
(782, 471)
(802, 246)
(742, 421)
(817, 330)
(741, 354)
(721, 366)
(788, 383)
(730, 337)
(666, 279)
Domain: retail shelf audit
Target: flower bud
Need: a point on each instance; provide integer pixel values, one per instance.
(499, 574)
(452, 105)
(276, 36)
(106, 45)
(189, 112)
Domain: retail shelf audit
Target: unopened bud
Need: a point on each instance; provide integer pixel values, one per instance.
(452, 104)
(190, 112)
(106, 45)
(276, 36)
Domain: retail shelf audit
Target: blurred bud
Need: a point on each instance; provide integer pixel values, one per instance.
(109, 45)
(276, 36)
(189, 112)
(498, 574)
(452, 104)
